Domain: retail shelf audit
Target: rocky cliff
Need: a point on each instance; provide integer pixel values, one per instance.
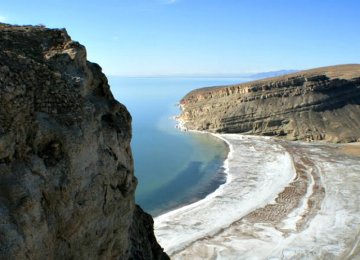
(66, 169)
(317, 104)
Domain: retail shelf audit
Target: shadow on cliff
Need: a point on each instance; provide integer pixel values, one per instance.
(339, 93)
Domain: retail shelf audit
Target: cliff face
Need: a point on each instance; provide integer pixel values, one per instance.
(318, 104)
(66, 169)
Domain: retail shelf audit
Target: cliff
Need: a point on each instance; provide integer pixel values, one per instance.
(317, 104)
(66, 168)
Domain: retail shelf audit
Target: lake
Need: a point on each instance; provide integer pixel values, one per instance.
(174, 168)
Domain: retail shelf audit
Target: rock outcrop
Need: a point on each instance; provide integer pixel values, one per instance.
(66, 169)
(317, 104)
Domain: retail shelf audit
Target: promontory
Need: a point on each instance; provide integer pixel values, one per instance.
(316, 104)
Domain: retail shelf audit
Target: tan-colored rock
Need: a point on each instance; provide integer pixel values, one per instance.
(66, 169)
(317, 104)
(352, 149)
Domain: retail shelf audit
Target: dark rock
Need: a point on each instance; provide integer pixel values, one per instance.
(143, 241)
(66, 169)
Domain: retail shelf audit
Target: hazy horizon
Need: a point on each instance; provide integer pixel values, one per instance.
(204, 75)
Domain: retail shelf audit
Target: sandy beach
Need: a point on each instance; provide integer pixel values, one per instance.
(281, 201)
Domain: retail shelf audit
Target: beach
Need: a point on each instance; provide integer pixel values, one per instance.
(280, 200)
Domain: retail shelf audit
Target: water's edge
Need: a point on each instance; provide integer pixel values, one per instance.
(266, 176)
(283, 200)
(211, 193)
(201, 192)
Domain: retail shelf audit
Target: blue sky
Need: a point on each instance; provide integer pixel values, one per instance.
(161, 37)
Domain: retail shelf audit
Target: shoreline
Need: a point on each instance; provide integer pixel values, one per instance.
(293, 221)
(215, 183)
(200, 192)
(208, 207)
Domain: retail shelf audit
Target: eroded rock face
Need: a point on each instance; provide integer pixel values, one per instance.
(318, 104)
(66, 169)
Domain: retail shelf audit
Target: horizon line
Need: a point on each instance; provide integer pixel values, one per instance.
(205, 75)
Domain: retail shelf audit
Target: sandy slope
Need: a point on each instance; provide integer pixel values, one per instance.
(282, 200)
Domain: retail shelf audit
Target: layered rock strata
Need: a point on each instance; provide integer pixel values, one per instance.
(317, 104)
(66, 169)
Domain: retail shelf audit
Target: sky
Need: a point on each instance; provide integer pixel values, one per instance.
(176, 37)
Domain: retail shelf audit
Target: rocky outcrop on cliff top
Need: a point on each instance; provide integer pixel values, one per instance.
(317, 104)
(66, 169)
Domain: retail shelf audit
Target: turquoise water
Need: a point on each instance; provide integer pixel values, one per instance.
(173, 167)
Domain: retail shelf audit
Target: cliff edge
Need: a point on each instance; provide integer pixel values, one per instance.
(317, 104)
(66, 169)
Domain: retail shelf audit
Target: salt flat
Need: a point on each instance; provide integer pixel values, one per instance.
(281, 201)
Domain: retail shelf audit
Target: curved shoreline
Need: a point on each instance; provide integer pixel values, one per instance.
(206, 216)
(315, 215)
